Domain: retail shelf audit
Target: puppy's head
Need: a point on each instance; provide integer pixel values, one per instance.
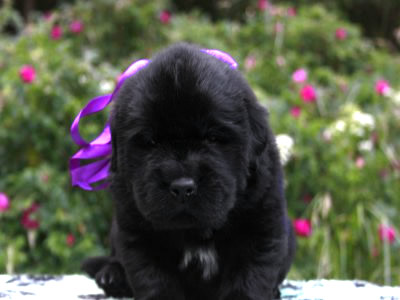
(185, 130)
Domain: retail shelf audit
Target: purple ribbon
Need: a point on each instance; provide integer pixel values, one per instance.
(100, 148)
(225, 57)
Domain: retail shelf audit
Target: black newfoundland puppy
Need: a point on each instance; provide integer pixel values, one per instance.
(197, 185)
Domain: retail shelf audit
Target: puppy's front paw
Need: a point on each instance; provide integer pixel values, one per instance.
(112, 279)
(277, 294)
(92, 265)
(240, 295)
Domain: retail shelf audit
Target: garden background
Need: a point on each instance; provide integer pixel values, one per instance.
(328, 72)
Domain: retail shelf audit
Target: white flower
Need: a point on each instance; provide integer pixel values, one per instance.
(90, 54)
(334, 129)
(82, 79)
(37, 54)
(285, 146)
(363, 119)
(357, 130)
(396, 97)
(366, 145)
(340, 125)
(360, 122)
(106, 86)
(327, 134)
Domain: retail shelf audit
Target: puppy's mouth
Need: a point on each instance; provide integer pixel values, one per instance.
(181, 219)
(184, 217)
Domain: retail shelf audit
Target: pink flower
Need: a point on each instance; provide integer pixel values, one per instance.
(291, 12)
(4, 202)
(307, 198)
(48, 16)
(278, 27)
(327, 135)
(341, 34)
(280, 61)
(302, 227)
(276, 10)
(383, 173)
(374, 137)
(27, 73)
(250, 62)
(295, 111)
(386, 233)
(343, 87)
(360, 162)
(27, 220)
(45, 177)
(262, 5)
(76, 26)
(56, 32)
(382, 87)
(307, 93)
(70, 240)
(299, 76)
(374, 252)
(165, 17)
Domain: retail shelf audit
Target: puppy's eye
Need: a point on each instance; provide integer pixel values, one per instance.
(143, 141)
(212, 138)
(149, 142)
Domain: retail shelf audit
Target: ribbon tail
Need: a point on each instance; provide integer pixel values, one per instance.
(84, 176)
(92, 107)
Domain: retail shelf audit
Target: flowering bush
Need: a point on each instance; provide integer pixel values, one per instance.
(334, 103)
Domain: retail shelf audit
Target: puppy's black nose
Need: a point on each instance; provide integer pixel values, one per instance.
(183, 188)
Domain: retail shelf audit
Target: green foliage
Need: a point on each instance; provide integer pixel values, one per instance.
(378, 19)
(350, 189)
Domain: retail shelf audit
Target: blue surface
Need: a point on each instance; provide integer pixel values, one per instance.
(81, 287)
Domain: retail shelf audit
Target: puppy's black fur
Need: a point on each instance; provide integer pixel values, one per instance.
(197, 185)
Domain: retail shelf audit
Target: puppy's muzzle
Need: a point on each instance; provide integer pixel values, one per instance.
(183, 188)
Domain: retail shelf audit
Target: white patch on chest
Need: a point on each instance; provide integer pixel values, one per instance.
(205, 257)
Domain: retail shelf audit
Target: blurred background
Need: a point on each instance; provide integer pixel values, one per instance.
(328, 72)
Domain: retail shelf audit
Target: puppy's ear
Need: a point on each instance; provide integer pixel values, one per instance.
(114, 159)
(257, 116)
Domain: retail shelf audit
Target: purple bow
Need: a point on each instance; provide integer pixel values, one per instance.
(100, 148)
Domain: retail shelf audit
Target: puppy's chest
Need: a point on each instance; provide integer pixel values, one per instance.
(201, 260)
